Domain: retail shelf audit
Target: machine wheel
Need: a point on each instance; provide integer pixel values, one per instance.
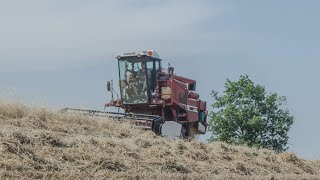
(171, 130)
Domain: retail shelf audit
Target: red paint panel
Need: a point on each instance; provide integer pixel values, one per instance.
(203, 105)
(193, 116)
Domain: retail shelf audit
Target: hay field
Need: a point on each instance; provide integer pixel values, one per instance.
(38, 143)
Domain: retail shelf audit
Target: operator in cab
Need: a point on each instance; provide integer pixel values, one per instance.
(130, 88)
(143, 76)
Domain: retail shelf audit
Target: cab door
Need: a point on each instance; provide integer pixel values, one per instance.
(153, 68)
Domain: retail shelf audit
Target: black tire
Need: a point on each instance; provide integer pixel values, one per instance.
(184, 133)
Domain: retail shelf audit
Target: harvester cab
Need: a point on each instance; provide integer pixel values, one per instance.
(137, 76)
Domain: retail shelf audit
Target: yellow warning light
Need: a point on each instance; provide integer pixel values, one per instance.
(150, 53)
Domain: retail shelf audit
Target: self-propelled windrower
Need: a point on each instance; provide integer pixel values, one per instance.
(154, 98)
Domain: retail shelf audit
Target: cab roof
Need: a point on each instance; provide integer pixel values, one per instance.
(149, 53)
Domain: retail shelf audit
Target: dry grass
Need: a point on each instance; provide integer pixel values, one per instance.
(40, 144)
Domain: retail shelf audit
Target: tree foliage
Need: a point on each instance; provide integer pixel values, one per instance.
(247, 115)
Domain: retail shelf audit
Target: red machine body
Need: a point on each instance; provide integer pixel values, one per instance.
(168, 95)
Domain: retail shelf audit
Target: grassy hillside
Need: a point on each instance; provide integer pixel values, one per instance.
(38, 143)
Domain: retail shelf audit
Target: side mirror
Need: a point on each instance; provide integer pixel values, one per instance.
(109, 86)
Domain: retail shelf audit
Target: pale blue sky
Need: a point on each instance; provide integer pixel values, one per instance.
(61, 53)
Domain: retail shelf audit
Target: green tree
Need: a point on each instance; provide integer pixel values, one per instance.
(247, 115)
